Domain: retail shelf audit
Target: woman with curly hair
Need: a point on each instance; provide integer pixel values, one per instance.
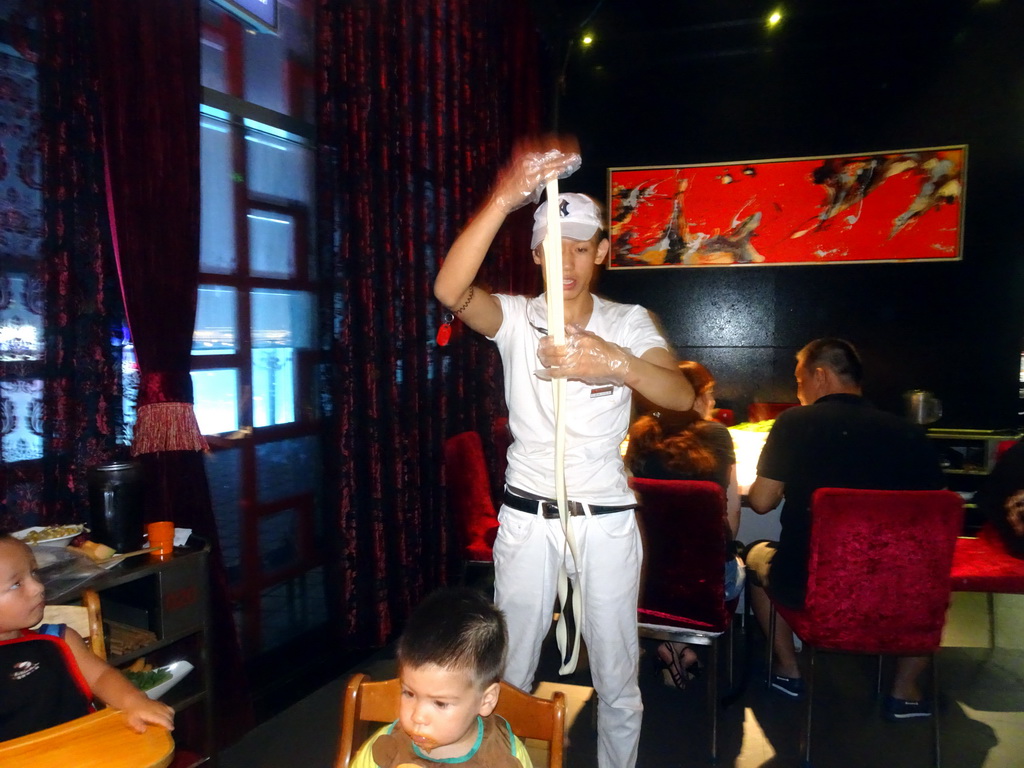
(688, 445)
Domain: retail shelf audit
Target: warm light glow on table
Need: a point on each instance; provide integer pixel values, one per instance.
(748, 445)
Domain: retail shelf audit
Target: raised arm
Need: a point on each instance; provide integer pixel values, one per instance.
(657, 377)
(454, 287)
(516, 185)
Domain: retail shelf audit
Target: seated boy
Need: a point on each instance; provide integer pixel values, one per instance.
(450, 658)
(48, 679)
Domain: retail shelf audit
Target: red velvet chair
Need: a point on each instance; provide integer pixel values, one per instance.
(765, 411)
(876, 581)
(469, 497)
(1003, 446)
(983, 564)
(682, 592)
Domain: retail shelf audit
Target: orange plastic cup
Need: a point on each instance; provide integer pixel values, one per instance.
(161, 538)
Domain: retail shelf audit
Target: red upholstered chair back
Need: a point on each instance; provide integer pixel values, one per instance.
(878, 573)
(469, 496)
(683, 524)
(1003, 446)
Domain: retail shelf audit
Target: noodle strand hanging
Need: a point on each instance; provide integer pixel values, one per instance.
(568, 644)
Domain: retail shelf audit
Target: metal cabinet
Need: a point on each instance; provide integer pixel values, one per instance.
(967, 456)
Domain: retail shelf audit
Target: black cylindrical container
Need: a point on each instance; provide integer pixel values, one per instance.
(115, 503)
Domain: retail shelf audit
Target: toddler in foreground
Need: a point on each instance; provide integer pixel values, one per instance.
(450, 658)
(50, 677)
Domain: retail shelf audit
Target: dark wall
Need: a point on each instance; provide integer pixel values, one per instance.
(834, 85)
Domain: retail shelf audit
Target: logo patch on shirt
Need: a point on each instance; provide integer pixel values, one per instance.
(23, 669)
(601, 391)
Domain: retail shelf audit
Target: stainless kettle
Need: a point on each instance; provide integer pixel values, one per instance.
(922, 407)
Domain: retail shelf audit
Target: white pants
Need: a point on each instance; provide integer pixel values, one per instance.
(527, 553)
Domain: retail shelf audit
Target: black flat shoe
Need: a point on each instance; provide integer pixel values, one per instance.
(896, 710)
(793, 687)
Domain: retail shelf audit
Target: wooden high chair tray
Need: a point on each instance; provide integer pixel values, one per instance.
(100, 740)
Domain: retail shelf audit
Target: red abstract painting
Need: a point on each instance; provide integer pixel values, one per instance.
(888, 206)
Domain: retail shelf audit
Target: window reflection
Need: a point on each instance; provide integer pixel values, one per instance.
(253, 343)
(215, 330)
(224, 473)
(287, 468)
(217, 213)
(21, 319)
(213, 57)
(271, 244)
(279, 167)
(281, 324)
(216, 396)
(21, 419)
(21, 204)
(130, 377)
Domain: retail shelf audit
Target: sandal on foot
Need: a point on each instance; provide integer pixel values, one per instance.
(674, 670)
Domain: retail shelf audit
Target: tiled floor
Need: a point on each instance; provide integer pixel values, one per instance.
(982, 714)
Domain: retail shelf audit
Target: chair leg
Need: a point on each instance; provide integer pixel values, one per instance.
(732, 653)
(771, 646)
(935, 708)
(878, 680)
(810, 702)
(990, 601)
(713, 699)
(737, 688)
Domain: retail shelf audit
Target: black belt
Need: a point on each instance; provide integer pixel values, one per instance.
(549, 507)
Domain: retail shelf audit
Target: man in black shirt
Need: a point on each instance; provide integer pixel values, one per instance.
(837, 441)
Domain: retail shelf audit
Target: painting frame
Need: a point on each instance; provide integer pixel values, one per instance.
(891, 206)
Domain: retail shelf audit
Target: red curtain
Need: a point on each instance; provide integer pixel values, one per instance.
(419, 102)
(147, 57)
(148, 67)
(52, 145)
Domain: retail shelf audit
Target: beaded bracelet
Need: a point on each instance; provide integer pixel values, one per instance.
(465, 303)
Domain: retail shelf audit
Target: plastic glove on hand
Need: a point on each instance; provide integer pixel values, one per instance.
(524, 177)
(585, 357)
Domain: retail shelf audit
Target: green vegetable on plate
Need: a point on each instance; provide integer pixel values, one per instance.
(148, 679)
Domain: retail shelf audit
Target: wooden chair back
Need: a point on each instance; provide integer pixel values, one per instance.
(367, 701)
(86, 619)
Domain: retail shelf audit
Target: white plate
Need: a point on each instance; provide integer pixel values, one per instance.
(57, 540)
(178, 670)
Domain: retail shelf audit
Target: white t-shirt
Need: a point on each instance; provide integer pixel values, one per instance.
(597, 416)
